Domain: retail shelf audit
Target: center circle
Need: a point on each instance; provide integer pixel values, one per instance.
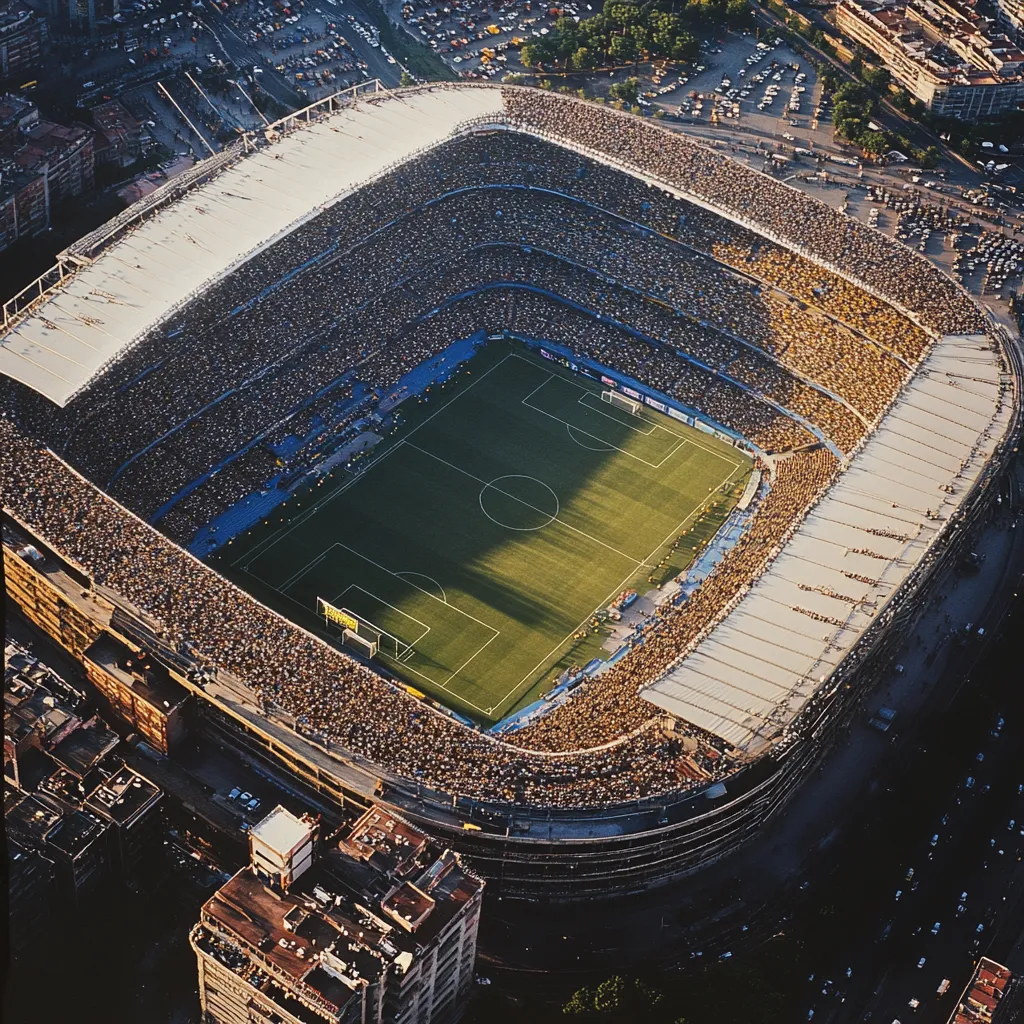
(519, 502)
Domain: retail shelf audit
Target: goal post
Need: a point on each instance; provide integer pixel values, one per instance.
(361, 634)
(366, 647)
(618, 401)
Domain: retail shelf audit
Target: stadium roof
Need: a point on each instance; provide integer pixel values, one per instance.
(759, 666)
(140, 278)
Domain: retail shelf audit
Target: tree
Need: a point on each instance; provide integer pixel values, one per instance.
(582, 60)
(625, 14)
(622, 49)
(628, 91)
(851, 128)
(405, 78)
(738, 12)
(877, 78)
(533, 55)
(685, 47)
(616, 999)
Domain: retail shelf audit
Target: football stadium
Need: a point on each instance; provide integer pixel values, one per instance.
(520, 463)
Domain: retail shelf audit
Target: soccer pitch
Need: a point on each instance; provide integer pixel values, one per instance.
(488, 529)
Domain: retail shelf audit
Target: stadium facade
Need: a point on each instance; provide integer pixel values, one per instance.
(723, 716)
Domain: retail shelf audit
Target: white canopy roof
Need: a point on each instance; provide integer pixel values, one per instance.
(140, 278)
(757, 668)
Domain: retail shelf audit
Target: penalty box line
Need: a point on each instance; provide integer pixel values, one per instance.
(683, 437)
(495, 633)
(582, 400)
(679, 442)
(375, 597)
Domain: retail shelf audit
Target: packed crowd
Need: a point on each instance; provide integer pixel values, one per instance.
(888, 268)
(340, 701)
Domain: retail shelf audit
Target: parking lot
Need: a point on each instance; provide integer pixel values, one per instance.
(317, 48)
(481, 40)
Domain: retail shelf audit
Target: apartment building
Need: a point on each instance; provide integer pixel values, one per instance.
(375, 924)
(943, 53)
(23, 35)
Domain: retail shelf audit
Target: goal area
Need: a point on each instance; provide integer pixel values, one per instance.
(613, 398)
(361, 634)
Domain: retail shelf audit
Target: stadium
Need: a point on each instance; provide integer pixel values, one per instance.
(533, 468)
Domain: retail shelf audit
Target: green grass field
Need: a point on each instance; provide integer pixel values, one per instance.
(489, 528)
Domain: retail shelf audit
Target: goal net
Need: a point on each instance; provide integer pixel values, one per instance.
(621, 402)
(361, 634)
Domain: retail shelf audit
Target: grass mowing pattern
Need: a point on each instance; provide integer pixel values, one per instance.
(492, 525)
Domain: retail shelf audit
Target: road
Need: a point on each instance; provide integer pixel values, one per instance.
(242, 55)
(955, 860)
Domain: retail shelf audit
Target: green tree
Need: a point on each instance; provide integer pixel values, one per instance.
(622, 49)
(405, 78)
(685, 47)
(851, 128)
(641, 36)
(535, 55)
(628, 91)
(738, 13)
(582, 60)
(616, 999)
(625, 15)
(877, 78)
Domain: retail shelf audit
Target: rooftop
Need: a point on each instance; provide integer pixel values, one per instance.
(142, 674)
(142, 277)
(281, 830)
(384, 842)
(329, 948)
(43, 822)
(30, 818)
(762, 664)
(984, 993)
(113, 117)
(30, 708)
(947, 39)
(123, 797)
(324, 934)
(76, 831)
(417, 883)
(23, 672)
(83, 748)
(66, 786)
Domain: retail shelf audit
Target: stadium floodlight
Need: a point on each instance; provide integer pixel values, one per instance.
(361, 634)
(618, 401)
